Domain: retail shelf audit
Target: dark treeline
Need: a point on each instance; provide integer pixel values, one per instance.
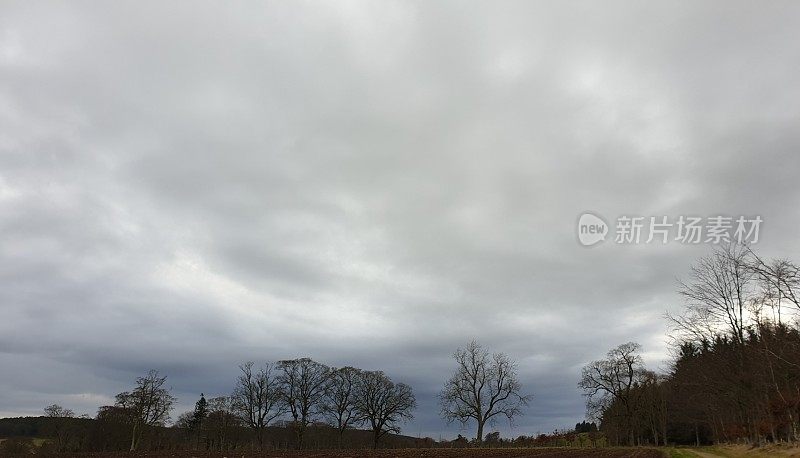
(736, 372)
(90, 435)
(99, 436)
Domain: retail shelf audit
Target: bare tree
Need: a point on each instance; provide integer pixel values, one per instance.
(149, 404)
(382, 403)
(56, 411)
(654, 405)
(222, 422)
(257, 398)
(185, 420)
(339, 405)
(60, 416)
(615, 379)
(304, 383)
(482, 388)
(780, 281)
(718, 295)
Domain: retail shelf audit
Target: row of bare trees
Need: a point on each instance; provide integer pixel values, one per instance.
(736, 375)
(483, 388)
(310, 391)
(293, 394)
(304, 390)
(296, 395)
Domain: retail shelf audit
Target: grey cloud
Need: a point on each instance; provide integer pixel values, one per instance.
(187, 187)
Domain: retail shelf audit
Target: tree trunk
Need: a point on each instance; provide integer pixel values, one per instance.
(133, 436)
(696, 435)
(260, 437)
(376, 437)
(479, 439)
(301, 429)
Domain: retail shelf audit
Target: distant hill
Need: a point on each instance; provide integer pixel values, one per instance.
(36, 426)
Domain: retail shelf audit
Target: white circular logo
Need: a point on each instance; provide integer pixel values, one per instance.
(591, 229)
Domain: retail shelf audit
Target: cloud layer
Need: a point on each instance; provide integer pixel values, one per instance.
(189, 186)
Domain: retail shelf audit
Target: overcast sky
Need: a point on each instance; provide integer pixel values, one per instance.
(190, 185)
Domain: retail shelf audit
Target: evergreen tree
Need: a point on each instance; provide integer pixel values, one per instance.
(200, 412)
